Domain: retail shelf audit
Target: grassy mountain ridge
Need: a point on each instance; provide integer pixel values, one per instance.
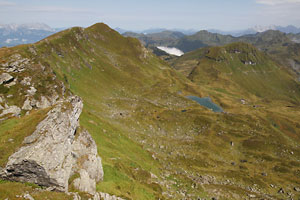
(164, 38)
(284, 48)
(241, 65)
(154, 142)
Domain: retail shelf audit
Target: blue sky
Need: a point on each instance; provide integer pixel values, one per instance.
(142, 14)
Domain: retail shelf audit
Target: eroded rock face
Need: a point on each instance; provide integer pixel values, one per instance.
(88, 163)
(52, 153)
(29, 171)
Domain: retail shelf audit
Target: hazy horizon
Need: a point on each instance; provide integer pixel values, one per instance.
(141, 15)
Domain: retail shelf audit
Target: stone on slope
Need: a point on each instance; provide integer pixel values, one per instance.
(105, 196)
(51, 154)
(5, 78)
(27, 105)
(44, 103)
(14, 110)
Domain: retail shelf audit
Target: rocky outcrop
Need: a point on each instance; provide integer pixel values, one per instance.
(88, 163)
(13, 110)
(16, 64)
(55, 151)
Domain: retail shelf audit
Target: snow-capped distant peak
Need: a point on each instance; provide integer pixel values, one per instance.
(37, 26)
(31, 26)
(264, 28)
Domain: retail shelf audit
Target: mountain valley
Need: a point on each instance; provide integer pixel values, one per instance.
(130, 132)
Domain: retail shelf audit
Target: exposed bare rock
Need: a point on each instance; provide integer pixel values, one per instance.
(51, 154)
(76, 196)
(11, 83)
(27, 105)
(26, 81)
(31, 91)
(89, 163)
(28, 196)
(85, 149)
(5, 78)
(16, 63)
(44, 103)
(85, 183)
(28, 171)
(105, 196)
(14, 110)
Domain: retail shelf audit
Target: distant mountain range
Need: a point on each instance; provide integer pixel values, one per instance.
(258, 29)
(253, 30)
(282, 47)
(15, 34)
(158, 30)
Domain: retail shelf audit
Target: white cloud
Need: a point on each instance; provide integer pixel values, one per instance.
(277, 2)
(10, 40)
(171, 51)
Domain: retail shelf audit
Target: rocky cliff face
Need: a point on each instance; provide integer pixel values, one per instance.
(57, 150)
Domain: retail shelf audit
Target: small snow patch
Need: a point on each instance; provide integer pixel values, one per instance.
(171, 50)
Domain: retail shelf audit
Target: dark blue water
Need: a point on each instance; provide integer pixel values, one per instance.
(206, 102)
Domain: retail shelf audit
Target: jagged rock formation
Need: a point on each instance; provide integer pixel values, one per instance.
(54, 152)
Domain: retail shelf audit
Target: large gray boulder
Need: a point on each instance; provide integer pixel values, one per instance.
(52, 154)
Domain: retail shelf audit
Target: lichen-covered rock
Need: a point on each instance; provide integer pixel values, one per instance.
(51, 154)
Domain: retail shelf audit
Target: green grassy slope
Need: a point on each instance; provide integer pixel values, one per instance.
(154, 142)
(280, 46)
(239, 68)
(202, 39)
